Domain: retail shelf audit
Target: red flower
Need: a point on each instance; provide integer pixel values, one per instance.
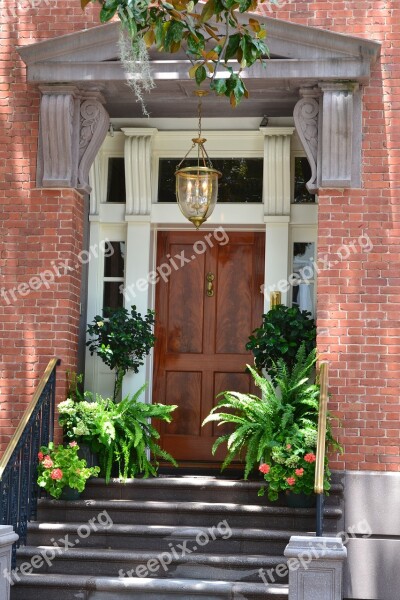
(73, 444)
(299, 472)
(291, 480)
(40, 455)
(264, 468)
(56, 474)
(310, 457)
(47, 462)
(288, 446)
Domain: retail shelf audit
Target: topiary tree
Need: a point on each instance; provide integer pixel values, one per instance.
(280, 336)
(122, 340)
(210, 33)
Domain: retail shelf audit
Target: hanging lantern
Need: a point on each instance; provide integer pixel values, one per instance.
(197, 186)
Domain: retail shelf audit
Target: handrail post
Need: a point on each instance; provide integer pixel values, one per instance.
(321, 441)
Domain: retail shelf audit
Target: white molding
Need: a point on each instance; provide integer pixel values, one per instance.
(138, 160)
(276, 179)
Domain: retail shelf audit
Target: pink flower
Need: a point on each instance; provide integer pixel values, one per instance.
(299, 472)
(291, 480)
(264, 468)
(310, 457)
(73, 444)
(288, 446)
(56, 474)
(47, 462)
(40, 455)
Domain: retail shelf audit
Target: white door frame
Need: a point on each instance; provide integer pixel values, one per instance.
(137, 221)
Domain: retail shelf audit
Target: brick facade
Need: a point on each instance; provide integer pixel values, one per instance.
(358, 298)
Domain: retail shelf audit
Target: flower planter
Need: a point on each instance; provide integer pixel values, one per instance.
(299, 500)
(70, 494)
(92, 459)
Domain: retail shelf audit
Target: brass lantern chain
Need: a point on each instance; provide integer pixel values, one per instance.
(197, 186)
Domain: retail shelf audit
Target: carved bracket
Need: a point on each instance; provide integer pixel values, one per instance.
(73, 125)
(328, 122)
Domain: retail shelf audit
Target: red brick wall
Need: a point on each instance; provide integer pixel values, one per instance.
(358, 300)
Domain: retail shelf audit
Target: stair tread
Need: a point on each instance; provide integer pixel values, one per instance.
(102, 583)
(191, 482)
(132, 555)
(168, 506)
(167, 530)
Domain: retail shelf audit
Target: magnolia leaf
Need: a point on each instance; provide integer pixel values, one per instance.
(232, 47)
(200, 75)
(211, 55)
(255, 25)
(108, 10)
(208, 11)
(192, 71)
(149, 38)
(190, 6)
(84, 3)
(219, 86)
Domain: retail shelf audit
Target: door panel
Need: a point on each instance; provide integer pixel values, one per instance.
(201, 338)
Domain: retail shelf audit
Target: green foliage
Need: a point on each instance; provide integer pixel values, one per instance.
(209, 33)
(286, 414)
(120, 433)
(280, 336)
(61, 467)
(122, 340)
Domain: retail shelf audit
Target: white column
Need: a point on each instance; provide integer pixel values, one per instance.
(276, 258)
(276, 177)
(138, 290)
(139, 238)
(276, 198)
(138, 148)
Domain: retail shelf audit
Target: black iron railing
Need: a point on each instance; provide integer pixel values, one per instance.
(321, 442)
(18, 466)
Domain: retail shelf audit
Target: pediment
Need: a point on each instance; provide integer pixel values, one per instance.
(300, 56)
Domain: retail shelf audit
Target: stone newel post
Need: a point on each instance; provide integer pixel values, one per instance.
(315, 567)
(7, 538)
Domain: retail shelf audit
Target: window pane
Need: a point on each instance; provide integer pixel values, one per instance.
(114, 265)
(113, 297)
(302, 174)
(241, 180)
(116, 180)
(303, 268)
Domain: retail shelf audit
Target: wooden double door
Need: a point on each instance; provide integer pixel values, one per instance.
(208, 301)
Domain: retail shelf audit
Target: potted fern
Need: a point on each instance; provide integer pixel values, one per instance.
(276, 433)
(120, 433)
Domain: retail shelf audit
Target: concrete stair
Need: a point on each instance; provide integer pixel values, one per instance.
(165, 538)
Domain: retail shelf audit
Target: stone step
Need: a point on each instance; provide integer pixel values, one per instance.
(72, 587)
(187, 489)
(221, 540)
(192, 514)
(178, 563)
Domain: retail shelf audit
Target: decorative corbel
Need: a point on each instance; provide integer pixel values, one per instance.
(328, 122)
(73, 125)
(306, 119)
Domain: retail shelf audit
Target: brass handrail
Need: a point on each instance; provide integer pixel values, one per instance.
(321, 440)
(27, 415)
